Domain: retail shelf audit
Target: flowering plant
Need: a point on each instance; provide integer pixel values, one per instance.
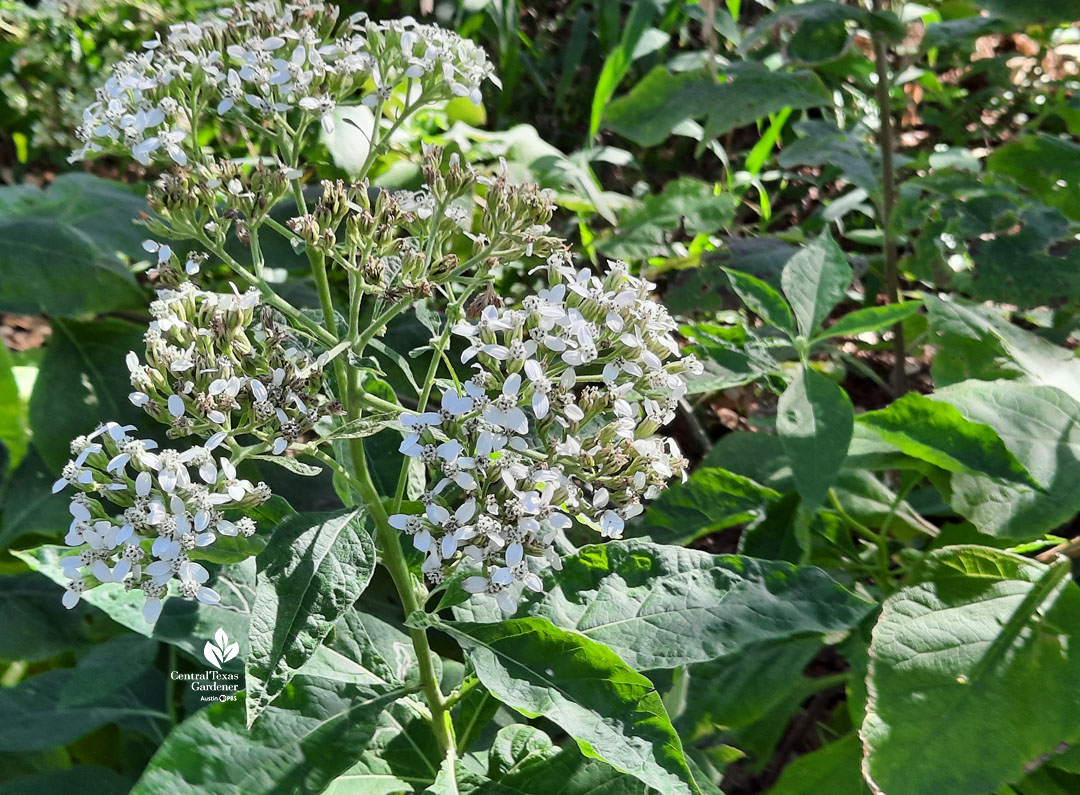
(535, 416)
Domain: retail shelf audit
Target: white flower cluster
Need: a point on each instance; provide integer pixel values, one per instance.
(208, 370)
(559, 420)
(263, 61)
(140, 511)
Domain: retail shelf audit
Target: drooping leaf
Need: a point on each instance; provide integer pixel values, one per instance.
(85, 779)
(824, 145)
(183, 623)
(83, 381)
(27, 505)
(958, 659)
(524, 761)
(1041, 426)
(35, 717)
(1043, 12)
(936, 432)
(62, 244)
(814, 420)
(313, 569)
(659, 606)
(710, 500)
(834, 769)
(815, 280)
(657, 103)
(686, 204)
(755, 93)
(979, 342)
(311, 734)
(612, 711)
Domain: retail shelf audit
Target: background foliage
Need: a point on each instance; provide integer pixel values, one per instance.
(865, 216)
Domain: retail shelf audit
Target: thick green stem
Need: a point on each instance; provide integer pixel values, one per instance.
(886, 139)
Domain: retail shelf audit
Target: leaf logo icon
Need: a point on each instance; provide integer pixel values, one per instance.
(219, 651)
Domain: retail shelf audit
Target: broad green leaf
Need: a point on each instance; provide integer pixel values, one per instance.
(97, 675)
(762, 299)
(871, 318)
(834, 769)
(311, 734)
(936, 432)
(742, 688)
(686, 204)
(183, 623)
(613, 712)
(822, 12)
(27, 505)
(657, 103)
(710, 500)
(84, 779)
(753, 94)
(61, 251)
(815, 280)
(83, 381)
(958, 659)
(1031, 12)
(979, 342)
(822, 144)
(659, 606)
(1041, 426)
(814, 420)
(34, 625)
(524, 761)
(35, 718)
(313, 569)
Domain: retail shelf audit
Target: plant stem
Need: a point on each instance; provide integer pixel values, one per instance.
(888, 198)
(269, 296)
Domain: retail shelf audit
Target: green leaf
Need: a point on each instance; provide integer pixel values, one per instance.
(686, 204)
(1042, 12)
(979, 342)
(662, 100)
(291, 464)
(62, 244)
(958, 658)
(315, 566)
(754, 94)
(850, 151)
(657, 103)
(1041, 426)
(936, 432)
(834, 769)
(659, 606)
(311, 734)
(710, 500)
(815, 421)
(34, 625)
(98, 676)
(35, 718)
(186, 624)
(760, 297)
(84, 779)
(815, 280)
(871, 318)
(14, 433)
(739, 690)
(29, 508)
(83, 381)
(618, 61)
(524, 761)
(613, 712)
